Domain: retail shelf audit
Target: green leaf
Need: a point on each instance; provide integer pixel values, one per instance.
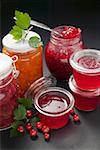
(20, 113)
(22, 20)
(26, 102)
(14, 132)
(16, 124)
(17, 32)
(35, 42)
(34, 120)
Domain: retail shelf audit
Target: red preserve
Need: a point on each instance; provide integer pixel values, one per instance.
(86, 68)
(52, 103)
(84, 100)
(63, 42)
(8, 91)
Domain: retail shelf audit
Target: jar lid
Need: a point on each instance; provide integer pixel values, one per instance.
(73, 86)
(6, 66)
(13, 45)
(86, 61)
(54, 101)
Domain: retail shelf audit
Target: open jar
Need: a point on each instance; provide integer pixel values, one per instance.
(86, 68)
(63, 42)
(8, 91)
(52, 103)
(29, 61)
(84, 100)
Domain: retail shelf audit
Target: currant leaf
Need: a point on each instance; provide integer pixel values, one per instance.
(26, 102)
(20, 113)
(35, 42)
(16, 124)
(13, 132)
(22, 19)
(17, 32)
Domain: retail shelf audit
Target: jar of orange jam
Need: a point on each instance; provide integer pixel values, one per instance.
(29, 63)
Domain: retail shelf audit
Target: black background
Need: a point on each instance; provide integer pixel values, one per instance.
(81, 13)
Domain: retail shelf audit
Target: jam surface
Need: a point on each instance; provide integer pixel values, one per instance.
(69, 32)
(89, 62)
(53, 104)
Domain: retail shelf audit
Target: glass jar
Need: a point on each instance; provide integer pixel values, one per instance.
(29, 61)
(59, 50)
(52, 103)
(84, 100)
(86, 68)
(8, 91)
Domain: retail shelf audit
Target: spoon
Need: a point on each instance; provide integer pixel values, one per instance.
(43, 26)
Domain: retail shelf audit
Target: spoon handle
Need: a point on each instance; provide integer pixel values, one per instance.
(40, 25)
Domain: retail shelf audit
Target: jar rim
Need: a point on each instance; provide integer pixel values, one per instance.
(54, 89)
(86, 93)
(85, 52)
(54, 34)
(39, 84)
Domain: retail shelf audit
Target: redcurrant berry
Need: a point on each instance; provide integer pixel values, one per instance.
(39, 126)
(33, 134)
(72, 112)
(47, 136)
(20, 129)
(45, 129)
(76, 118)
(29, 113)
(28, 126)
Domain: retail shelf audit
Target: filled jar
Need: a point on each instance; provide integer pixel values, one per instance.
(29, 61)
(52, 103)
(86, 68)
(84, 100)
(8, 91)
(63, 42)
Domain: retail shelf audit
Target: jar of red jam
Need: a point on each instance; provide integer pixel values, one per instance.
(63, 42)
(52, 103)
(29, 61)
(86, 68)
(8, 91)
(84, 100)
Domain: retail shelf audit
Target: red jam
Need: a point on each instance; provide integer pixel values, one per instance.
(86, 70)
(8, 96)
(69, 32)
(86, 103)
(84, 100)
(53, 105)
(60, 48)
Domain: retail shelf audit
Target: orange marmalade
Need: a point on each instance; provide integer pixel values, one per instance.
(29, 63)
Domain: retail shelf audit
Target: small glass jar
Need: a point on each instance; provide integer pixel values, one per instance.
(86, 68)
(29, 61)
(84, 100)
(8, 91)
(52, 103)
(59, 50)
